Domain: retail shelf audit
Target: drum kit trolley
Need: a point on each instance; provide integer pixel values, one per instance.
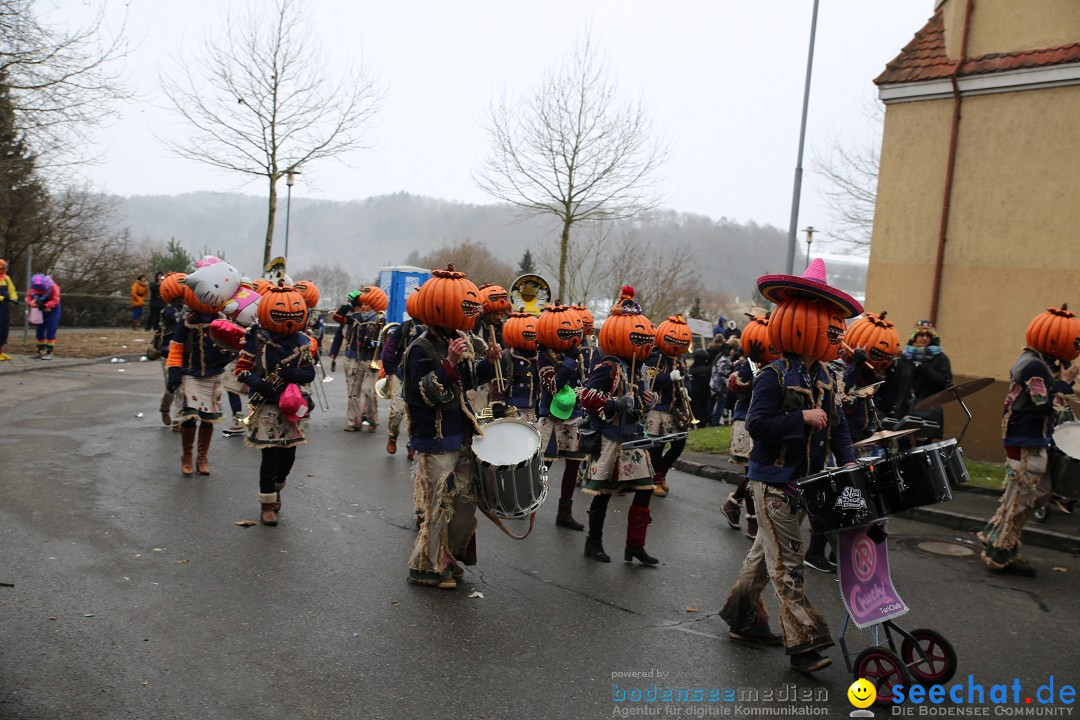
(856, 501)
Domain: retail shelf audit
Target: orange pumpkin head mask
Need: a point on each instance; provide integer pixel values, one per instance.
(374, 298)
(877, 337)
(1056, 333)
(808, 328)
(559, 327)
(519, 331)
(809, 317)
(627, 333)
(283, 310)
(755, 340)
(495, 299)
(448, 299)
(673, 336)
(172, 286)
(309, 291)
(587, 321)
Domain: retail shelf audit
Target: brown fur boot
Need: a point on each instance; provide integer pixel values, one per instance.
(187, 442)
(277, 491)
(206, 434)
(269, 513)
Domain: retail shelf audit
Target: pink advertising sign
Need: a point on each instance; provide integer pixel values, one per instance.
(865, 583)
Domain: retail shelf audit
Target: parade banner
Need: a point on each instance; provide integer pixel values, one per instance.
(703, 328)
(865, 582)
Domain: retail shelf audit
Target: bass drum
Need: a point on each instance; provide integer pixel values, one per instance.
(512, 482)
(841, 498)
(915, 478)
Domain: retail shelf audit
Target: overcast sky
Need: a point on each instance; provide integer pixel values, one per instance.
(723, 80)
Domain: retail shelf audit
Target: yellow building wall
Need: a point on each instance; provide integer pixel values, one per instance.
(1004, 26)
(911, 181)
(1013, 244)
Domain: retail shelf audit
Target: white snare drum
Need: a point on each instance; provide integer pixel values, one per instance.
(512, 481)
(1067, 438)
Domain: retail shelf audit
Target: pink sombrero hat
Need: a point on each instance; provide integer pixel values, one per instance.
(812, 285)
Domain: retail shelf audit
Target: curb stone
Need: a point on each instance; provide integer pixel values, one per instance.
(1033, 533)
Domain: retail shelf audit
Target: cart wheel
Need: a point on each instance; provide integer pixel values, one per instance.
(1042, 513)
(882, 668)
(940, 664)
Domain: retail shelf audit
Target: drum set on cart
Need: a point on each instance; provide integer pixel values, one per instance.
(855, 501)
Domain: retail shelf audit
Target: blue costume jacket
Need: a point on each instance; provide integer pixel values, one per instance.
(785, 448)
(440, 418)
(1035, 395)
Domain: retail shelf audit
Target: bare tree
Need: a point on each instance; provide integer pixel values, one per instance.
(84, 246)
(261, 102)
(851, 174)
(573, 149)
(588, 264)
(63, 83)
(665, 277)
(333, 282)
(471, 258)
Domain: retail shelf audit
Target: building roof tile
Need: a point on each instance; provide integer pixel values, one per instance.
(924, 58)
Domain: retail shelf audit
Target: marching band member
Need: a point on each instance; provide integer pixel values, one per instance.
(277, 364)
(438, 369)
(392, 353)
(559, 365)
(519, 366)
(672, 413)
(795, 421)
(617, 400)
(195, 366)
(359, 324)
(1040, 380)
(756, 345)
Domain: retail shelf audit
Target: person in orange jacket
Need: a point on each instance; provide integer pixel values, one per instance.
(140, 289)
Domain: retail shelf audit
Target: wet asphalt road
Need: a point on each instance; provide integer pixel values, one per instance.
(136, 596)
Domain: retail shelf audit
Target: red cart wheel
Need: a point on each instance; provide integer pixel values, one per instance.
(884, 670)
(940, 664)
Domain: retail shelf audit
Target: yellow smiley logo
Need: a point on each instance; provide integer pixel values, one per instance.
(862, 693)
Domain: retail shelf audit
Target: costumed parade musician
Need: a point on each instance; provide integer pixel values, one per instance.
(196, 363)
(672, 414)
(1041, 380)
(393, 351)
(561, 371)
(519, 367)
(360, 322)
(439, 367)
(617, 399)
(758, 353)
(795, 421)
(277, 364)
(871, 348)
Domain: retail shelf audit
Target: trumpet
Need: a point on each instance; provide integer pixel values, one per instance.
(386, 329)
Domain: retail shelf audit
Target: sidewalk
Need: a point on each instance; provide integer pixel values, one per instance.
(967, 512)
(27, 363)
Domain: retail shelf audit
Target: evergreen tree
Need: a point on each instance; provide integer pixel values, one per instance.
(174, 259)
(526, 266)
(696, 311)
(23, 198)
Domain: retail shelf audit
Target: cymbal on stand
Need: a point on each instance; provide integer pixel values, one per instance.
(954, 392)
(884, 437)
(866, 390)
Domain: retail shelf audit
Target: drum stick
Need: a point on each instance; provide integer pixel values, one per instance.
(499, 381)
(851, 352)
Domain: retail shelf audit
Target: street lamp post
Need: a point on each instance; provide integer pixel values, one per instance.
(797, 191)
(290, 174)
(809, 230)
